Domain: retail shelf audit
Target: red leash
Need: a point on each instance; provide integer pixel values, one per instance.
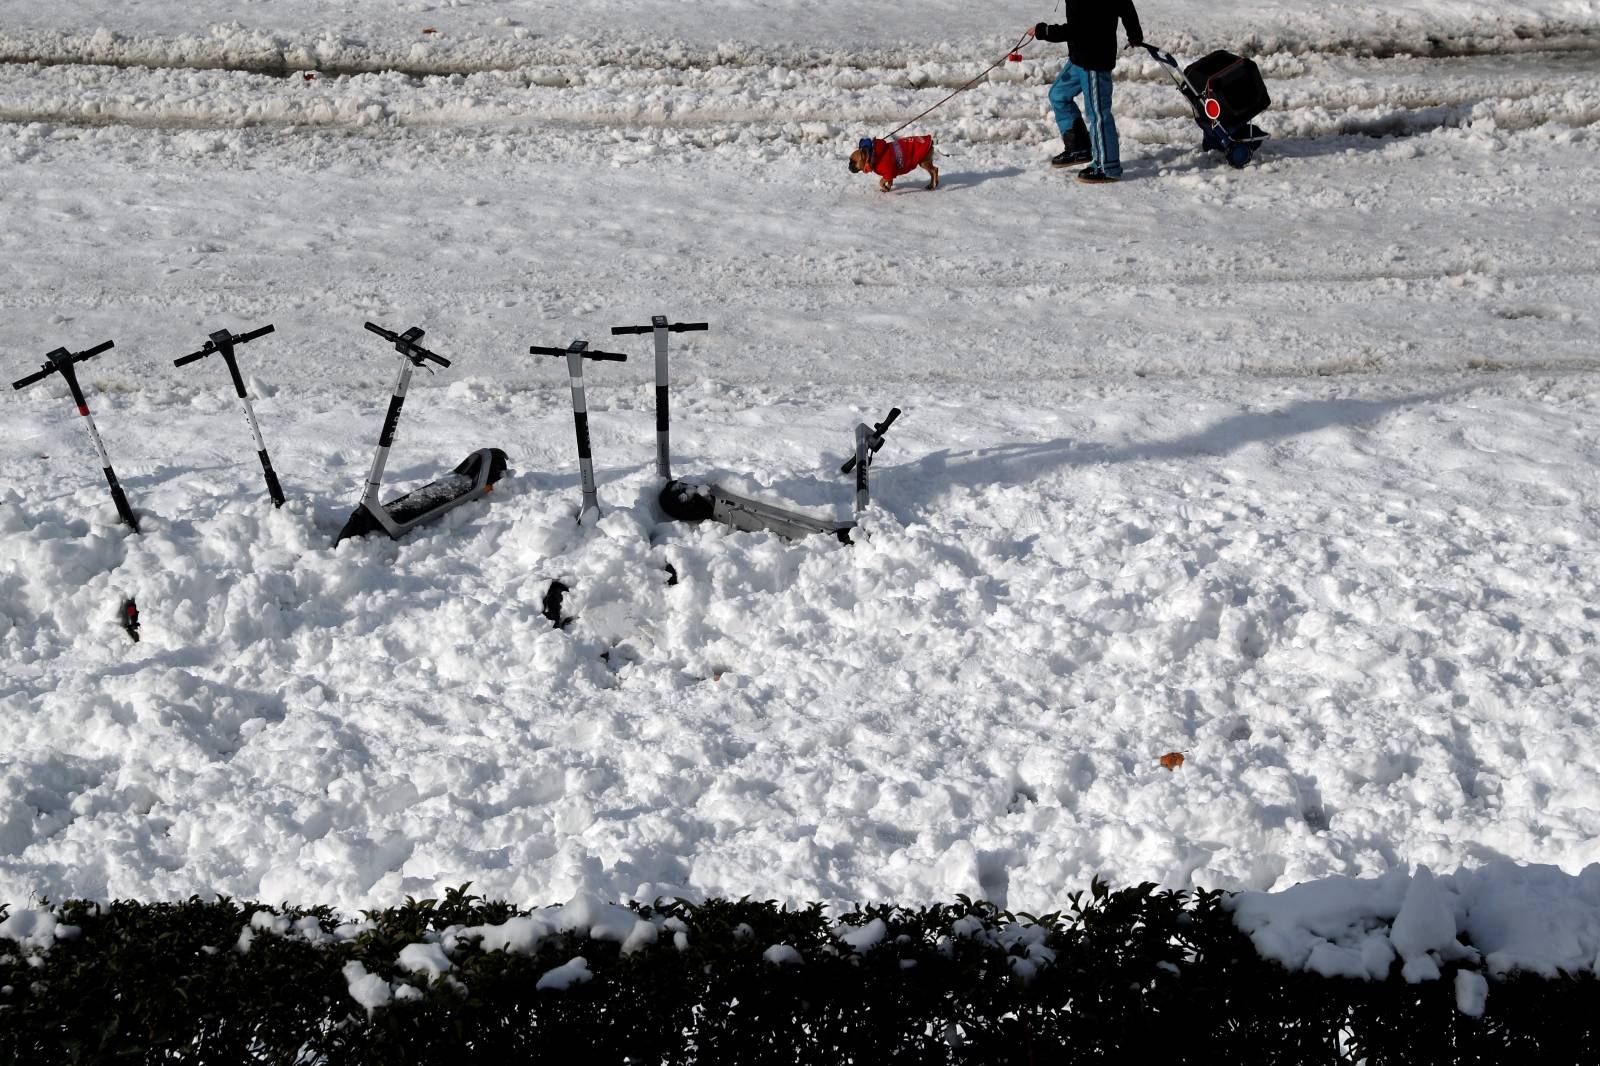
(1014, 56)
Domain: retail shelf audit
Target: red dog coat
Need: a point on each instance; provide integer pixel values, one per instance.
(891, 159)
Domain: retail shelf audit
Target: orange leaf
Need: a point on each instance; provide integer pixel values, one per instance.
(1172, 760)
(430, 29)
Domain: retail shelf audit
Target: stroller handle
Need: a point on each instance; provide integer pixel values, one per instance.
(1159, 56)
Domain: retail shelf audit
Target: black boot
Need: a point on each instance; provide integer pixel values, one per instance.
(1077, 147)
(1072, 157)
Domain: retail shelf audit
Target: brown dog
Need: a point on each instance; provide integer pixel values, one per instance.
(893, 159)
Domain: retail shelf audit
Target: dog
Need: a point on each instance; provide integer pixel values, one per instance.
(893, 159)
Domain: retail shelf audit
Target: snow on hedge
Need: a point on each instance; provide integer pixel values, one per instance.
(35, 930)
(1501, 918)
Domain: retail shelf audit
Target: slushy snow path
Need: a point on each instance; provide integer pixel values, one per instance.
(1290, 469)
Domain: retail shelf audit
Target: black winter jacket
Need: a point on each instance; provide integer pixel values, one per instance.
(1091, 31)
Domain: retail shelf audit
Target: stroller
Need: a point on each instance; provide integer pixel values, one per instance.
(1226, 92)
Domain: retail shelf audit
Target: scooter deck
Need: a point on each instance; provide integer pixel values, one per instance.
(473, 477)
(419, 502)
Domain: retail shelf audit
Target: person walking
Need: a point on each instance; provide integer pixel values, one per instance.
(1090, 33)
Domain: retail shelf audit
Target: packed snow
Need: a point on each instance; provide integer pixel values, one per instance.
(1287, 469)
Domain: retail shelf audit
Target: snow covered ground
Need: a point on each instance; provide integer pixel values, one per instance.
(1289, 469)
(477, 34)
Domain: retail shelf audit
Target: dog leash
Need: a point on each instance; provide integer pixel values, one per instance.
(1014, 55)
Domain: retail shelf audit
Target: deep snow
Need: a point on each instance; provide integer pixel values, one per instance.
(1290, 469)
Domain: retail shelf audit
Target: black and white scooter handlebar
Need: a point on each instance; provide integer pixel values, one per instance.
(212, 346)
(671, 327)
(579, 349)
(59, 358)
(406, 344)
(874, 439)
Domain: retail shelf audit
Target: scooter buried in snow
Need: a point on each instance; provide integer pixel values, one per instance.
(223, 343)
(62, 362)
(575, 353)
(688, 501)
(589, 510)
(475, 476)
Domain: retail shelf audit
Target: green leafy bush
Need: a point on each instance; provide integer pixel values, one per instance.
(1130, 976)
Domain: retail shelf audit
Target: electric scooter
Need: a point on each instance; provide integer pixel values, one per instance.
(62, 362)
(688, 501)
(575, 353)
(475, 476)
(223, 343)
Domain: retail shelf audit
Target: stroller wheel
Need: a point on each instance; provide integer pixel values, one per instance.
(1239, 156)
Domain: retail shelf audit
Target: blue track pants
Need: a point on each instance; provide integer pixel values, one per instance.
(1095, 88)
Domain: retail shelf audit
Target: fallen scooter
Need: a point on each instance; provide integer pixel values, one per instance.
(689, 501)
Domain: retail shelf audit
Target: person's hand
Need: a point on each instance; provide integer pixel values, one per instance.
(1032, 31)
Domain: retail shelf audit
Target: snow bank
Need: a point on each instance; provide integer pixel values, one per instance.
(1289, 469)
(1358, 599)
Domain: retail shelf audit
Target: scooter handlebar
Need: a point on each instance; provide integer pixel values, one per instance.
(874, 440)
(52, 366)
(409, 348)
(35, 377)
(675, 327)
(604, 357)
(211, 347)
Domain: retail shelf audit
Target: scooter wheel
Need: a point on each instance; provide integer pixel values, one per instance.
(1239, 156)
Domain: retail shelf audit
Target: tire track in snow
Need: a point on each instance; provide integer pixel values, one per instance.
(1370, 97)
(710, 130)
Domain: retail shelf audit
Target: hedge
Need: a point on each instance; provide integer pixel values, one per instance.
(1130, 976)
